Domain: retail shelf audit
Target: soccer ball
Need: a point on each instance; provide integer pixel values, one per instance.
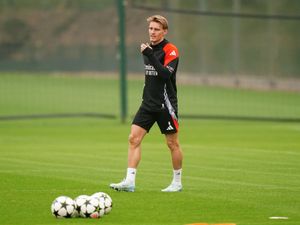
(63, 207)
(92, 208)
(105, 201)
(79, 201)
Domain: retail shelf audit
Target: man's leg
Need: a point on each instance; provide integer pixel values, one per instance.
(134, 156)
(134, 145)
(176, 155)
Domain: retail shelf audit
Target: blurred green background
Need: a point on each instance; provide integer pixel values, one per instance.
(82, 35)
(230, 66)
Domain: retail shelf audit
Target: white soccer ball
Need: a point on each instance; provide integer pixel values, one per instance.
(105, 200)
(92, 208)
(63, 207)
(79, 201)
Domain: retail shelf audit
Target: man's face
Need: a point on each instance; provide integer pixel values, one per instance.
(156, 32)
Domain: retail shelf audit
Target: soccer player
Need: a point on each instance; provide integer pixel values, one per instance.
(159, 104)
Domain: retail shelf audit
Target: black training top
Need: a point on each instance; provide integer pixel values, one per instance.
(160, 89)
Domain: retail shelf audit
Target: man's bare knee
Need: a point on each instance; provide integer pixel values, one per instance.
(134, 140)
(173, 144)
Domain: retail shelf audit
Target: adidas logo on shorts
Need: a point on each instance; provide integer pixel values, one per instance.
(170, 126)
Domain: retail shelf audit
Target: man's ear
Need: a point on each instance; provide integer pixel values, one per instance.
(165, 31)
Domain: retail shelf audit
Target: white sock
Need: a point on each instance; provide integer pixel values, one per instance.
(130, 177)
(177, 176)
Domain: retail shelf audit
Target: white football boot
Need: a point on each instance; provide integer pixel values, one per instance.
(173, 187)
(123, 186)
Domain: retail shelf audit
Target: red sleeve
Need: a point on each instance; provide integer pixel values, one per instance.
(171, 53)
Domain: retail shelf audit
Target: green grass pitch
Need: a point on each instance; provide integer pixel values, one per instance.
(234, 171)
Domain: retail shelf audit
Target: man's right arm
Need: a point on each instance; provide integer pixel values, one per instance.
(164, 72)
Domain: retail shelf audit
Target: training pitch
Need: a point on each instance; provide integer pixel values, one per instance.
(235, 172)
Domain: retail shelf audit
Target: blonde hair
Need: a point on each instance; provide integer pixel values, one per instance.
(159, 19)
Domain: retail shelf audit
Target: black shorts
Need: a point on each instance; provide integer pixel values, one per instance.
(167, 122)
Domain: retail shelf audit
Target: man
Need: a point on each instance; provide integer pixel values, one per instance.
(159, 104)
